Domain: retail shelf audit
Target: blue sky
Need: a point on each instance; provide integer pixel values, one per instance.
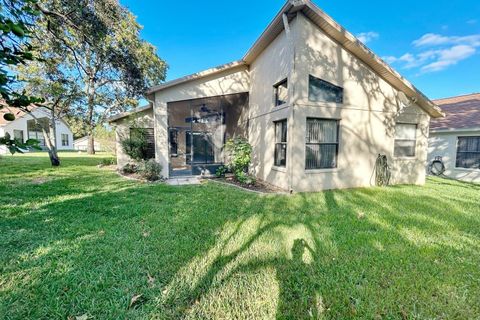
(434, 44)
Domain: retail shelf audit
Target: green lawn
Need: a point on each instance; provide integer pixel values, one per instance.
(79, 240)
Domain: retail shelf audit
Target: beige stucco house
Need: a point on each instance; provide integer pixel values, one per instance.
(456, 138)
(315, 103)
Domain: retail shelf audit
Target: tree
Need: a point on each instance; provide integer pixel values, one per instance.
(45, 78)
(16, 20)
(102, 51)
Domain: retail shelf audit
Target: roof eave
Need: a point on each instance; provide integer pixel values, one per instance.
(128, 113)
(198, 75)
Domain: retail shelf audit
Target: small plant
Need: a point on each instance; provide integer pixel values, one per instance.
(108, 162)
(221, 171)
(245, 178)
(130, 168)
(151, 170)
(240, 155)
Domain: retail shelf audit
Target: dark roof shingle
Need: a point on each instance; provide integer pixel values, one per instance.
(461, 112)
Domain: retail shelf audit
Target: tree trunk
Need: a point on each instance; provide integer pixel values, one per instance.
(52, 143)
(47, 134)
(90, 123)
(91, 143)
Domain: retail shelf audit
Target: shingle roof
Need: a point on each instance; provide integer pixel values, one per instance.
(462, 112)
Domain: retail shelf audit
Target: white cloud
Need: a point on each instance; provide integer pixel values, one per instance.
(437, 52)
(432, 39)
(472, 21)
(449, 57)
(367, 36)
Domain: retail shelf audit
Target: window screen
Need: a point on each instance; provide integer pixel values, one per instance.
(280, 143)
(468, 152)
(18, 135)
(321, 144)
(405, 140)
(64, 139)
(322, 91)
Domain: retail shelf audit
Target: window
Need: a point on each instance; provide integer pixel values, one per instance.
(34, 129)
(281, 92)
(64, 140)
(321, 144)
(468, 152)
(149, 136)
(174, 142)
(280, 158)
(405, 140)
(322, 91)
(18, 135)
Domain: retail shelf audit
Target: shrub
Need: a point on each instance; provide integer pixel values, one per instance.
(240, 152)
(151, 170)
(136, 146)
(244, 178)
(130, 168)
(221, 171)
(240, 156)
(108, 161)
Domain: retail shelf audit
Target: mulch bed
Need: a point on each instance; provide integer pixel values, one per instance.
(259, 186)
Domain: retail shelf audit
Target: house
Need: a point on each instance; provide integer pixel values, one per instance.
(316, 105)
(81, 144)
(25, 127)
(456, 138)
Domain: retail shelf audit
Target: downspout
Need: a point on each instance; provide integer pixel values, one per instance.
(290, 123)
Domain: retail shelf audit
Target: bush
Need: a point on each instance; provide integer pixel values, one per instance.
(151, 170)
(240, 156)
(244, 178)
(108, 161)
(130, 168)
(240, 152)
(136, 146)
(221, 171)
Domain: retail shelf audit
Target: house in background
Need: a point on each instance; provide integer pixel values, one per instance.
(81, 144)
(25, 127)
(315, 103)
(456, 138)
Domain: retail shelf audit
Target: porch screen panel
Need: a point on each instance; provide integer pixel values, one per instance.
(321, 147)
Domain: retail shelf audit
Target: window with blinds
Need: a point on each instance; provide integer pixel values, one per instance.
(468, 152)
(280, 159)
(405, 140)
(321, 144)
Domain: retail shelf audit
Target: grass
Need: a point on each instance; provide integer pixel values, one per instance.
(81, 241)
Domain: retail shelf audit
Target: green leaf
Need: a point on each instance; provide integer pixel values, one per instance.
(9, 116)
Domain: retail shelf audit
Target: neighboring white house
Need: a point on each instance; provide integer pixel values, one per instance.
(24, 127)
(456, 138)
(314, 102)
(81, 144)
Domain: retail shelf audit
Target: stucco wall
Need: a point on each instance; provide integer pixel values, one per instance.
(142, 119)
(234, 80)
(445, 145)
(367, 116)
(21, 124)
(273, 65)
